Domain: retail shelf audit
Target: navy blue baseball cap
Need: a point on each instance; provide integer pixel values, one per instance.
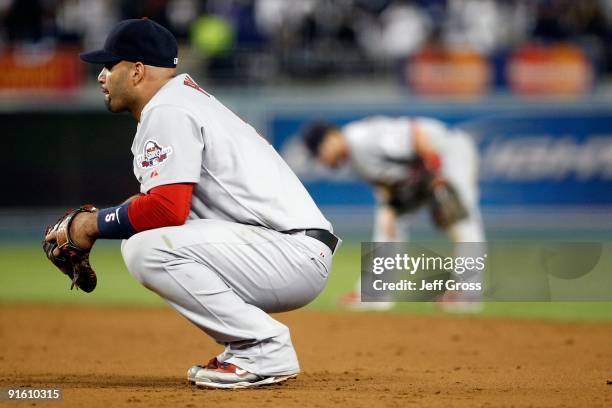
(137, 40)
(314, 133)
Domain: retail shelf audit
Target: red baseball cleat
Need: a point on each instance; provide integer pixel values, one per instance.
(223, 375)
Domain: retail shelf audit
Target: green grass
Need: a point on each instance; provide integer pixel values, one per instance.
(346, 272)
(27, 276)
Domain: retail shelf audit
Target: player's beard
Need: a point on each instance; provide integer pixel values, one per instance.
(114, 104)
(117, 99)
(107, 102)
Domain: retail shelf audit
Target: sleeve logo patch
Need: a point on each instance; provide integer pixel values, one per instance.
(154, 154)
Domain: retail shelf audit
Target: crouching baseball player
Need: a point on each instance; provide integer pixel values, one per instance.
(222, 229)
(410, 162)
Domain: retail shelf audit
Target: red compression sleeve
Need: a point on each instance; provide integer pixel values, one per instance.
(163, 206)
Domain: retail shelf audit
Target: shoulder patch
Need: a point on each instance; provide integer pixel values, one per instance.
(153, 154)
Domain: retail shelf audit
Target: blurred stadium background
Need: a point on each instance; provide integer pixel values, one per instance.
(530, 80)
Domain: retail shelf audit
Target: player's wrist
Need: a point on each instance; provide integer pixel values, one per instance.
(114, 223)
(90, 225)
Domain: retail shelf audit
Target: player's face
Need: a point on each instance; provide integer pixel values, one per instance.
(113, 81)
(332, 149)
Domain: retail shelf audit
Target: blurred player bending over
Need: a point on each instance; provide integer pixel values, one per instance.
(407, 160)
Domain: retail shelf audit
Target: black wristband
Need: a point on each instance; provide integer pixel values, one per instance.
(114, 223)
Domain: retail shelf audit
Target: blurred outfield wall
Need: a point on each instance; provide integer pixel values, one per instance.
(544, 165)
(530, 156)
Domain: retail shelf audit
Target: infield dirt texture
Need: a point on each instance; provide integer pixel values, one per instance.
(109, 356)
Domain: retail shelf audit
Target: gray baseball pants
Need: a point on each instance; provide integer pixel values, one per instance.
(226, 277)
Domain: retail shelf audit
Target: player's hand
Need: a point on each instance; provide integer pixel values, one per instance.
(67, 244)
(438, 181)
(383, 194)
(446, 205)
(83, 231)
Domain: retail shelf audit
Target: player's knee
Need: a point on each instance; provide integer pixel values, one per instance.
(140, 254)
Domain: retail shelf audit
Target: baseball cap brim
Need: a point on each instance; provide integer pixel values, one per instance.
(99, 57)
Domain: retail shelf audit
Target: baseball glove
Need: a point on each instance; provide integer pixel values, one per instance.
(446, 206)
(72, 260)
(411, 192)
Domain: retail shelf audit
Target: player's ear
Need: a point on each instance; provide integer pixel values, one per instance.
(137, 73)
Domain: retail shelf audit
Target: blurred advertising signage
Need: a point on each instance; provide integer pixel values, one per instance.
(547, 156)
(529, 155)
(559, 70)
(448, 72)
(37, 68)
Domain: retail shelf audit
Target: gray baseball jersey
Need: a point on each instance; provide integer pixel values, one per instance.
(381, 147)
(186, 136)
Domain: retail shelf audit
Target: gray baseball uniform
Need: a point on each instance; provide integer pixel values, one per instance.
(380, 148)
(243, 252)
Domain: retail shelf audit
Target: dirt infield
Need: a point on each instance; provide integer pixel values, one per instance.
(110, 357)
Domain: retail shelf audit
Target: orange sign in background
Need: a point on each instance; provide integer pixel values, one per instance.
(34, 69)
(530, 70)
(439, 71)
(549, 70)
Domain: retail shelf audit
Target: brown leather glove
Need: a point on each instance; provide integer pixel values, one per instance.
(72, 260)
(446, 206)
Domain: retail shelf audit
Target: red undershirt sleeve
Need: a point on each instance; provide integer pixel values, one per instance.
(164, 206)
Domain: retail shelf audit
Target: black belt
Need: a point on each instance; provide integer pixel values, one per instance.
(321, 235)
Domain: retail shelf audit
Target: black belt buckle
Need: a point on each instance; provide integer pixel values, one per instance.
(323, 236)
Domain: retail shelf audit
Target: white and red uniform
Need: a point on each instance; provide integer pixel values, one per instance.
(242, 251)
(380, 148)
